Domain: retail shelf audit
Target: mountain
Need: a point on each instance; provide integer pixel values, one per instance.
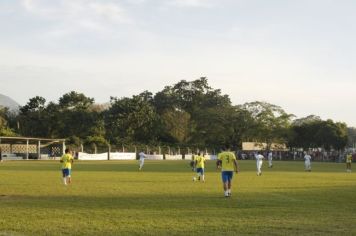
(6, 101)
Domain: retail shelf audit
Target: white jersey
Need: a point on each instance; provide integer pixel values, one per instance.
(307, 158)
(270, 156)
(259, 157)
(142, 156)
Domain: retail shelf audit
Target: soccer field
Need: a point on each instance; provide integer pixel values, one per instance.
(114, 198)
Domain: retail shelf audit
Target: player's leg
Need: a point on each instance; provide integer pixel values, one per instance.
(229, 183)
(260, 167)
(203, 175)
(199, 173)
(225, 180)
(348, 164)
(141, 164)
(64, 175)
(69, 176)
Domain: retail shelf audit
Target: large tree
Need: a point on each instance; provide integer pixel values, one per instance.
(131, 119)
(271, 122)
(32, 118)
(313, 132)
(5, 130)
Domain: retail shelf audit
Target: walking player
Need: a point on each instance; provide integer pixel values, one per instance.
(259, 162)
(348, 162)
(228, 164)
(142, 156)
(270, 165)
(67, 161)
(199, 165)
(307, 163)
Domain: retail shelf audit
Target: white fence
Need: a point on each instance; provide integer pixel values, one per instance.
(104, 156)
(122, 156)
(89, 157)
(154, 157)
(132, 156)
(174, 157)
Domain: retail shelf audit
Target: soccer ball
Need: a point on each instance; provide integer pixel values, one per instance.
(194, 178)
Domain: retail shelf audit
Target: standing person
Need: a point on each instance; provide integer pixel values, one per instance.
(142, 156)
(67, 161)
(307, 163)
(348, 162)
(228, 164)
(259, 161)
(199, 165)
(270, 165)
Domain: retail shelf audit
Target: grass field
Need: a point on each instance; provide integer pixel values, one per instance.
(113, 198)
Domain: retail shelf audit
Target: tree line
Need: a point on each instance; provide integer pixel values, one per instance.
(188, 113)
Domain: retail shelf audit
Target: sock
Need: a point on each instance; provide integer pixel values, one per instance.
(229, 191)
(65, 180)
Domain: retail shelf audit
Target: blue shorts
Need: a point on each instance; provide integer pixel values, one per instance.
(227, 176)
(200, 170)
(66, 172)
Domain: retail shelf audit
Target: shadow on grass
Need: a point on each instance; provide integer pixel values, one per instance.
(310, 198)
(166, 166)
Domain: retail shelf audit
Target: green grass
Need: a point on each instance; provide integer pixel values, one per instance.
(113, 198)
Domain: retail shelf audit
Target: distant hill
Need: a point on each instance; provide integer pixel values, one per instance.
(6, 101)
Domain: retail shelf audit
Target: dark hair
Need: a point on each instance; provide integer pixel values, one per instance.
(67, 150)
(226, 147)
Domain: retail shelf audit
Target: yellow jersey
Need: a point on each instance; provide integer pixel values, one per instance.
(67, 161)
(227, 161)
(349, 158)
(200, 161)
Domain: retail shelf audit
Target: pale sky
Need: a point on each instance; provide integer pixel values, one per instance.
(298, 54)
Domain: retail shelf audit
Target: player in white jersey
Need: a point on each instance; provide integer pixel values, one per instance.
(270, 165)
(307, 163)
(142, 156)
(259, 161)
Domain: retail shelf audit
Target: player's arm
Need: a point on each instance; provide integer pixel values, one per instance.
(237, 167)
(218, 164)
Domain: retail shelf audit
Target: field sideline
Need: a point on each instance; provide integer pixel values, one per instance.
(114, 198)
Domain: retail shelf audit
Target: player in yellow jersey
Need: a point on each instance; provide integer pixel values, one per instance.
(228, 164)
(67, 161)
(199, 165)
(348, 162)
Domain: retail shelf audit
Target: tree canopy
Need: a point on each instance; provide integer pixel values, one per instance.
(188, 113)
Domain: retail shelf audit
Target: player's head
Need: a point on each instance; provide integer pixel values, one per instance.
(67, 150)
(226, 147)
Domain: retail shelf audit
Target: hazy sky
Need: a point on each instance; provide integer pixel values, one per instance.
(298, 54)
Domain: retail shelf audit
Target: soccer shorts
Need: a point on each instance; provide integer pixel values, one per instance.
(200, 171)
(227, 176)
(66, 172)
